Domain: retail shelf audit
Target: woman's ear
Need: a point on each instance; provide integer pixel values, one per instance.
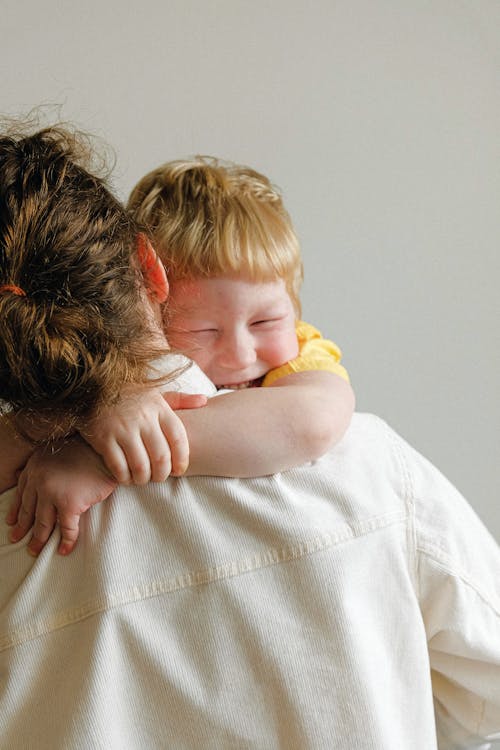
(152, 268)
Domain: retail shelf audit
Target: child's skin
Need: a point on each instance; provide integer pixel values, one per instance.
(295, 420)
(234, 328)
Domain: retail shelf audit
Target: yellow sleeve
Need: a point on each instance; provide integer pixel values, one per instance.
(315, 353)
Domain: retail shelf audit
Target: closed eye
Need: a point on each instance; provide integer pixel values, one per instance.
(266, 321)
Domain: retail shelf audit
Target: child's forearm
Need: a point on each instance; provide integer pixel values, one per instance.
(261, 431)
(14, 452)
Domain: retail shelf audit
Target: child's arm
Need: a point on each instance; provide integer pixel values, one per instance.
(14, 452)
(260, 431)
(241, 434)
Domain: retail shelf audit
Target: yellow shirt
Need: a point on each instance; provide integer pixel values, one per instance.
(315, 353)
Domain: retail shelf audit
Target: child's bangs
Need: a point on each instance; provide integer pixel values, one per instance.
(258, 243)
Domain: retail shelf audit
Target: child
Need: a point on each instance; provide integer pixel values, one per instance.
(235, 271)
(241, 454)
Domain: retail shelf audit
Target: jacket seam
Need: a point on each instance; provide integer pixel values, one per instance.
(443, 560)
(270, 557)
(408, 497)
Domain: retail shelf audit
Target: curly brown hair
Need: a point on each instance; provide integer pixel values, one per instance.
(72, 328)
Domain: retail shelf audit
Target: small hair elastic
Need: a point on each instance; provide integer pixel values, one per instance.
(13, 289)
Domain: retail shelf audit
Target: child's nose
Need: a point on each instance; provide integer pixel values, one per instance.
(238, 351)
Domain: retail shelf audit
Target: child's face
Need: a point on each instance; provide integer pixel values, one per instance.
(236, 330)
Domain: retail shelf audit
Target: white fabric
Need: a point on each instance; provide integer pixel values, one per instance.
(300, 611)
(188, 376)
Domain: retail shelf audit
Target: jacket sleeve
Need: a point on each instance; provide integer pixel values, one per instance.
(457, 576)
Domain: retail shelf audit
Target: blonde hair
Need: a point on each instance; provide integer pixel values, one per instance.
(72, 328)
(208, 218)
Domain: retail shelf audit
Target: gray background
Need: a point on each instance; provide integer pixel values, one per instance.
(379, 120)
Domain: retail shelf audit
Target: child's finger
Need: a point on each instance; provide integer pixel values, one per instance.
(158, 450)
(116, 461)
(45, 521)
(69, 524)
(175, 432)
(178, 400)
(137, 458)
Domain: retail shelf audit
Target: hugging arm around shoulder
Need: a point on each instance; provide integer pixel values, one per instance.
(259, 431)
(303, 410)
(241, 434)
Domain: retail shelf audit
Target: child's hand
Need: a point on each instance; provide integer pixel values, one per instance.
(141, 438)
(58, 487)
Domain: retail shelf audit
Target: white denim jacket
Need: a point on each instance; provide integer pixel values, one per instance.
(339, 605)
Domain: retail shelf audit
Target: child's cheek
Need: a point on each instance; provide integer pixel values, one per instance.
(283, 351)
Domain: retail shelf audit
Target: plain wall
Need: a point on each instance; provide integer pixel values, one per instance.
(380, 121)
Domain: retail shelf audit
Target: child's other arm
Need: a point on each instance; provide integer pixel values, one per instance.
(260, 431)
(58, 485)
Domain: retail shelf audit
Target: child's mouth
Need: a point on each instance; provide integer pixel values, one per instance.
(237, 386)
(241, 386)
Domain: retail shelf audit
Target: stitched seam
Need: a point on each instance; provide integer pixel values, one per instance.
(276, 556)
(409, 500)
(443, 561)
(481, 716)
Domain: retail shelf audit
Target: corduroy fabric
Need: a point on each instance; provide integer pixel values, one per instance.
(332, 606)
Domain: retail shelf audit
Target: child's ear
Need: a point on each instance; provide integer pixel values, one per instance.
(152, 268)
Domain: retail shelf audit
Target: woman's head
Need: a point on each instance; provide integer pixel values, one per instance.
(71, 294)
(209, 218)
